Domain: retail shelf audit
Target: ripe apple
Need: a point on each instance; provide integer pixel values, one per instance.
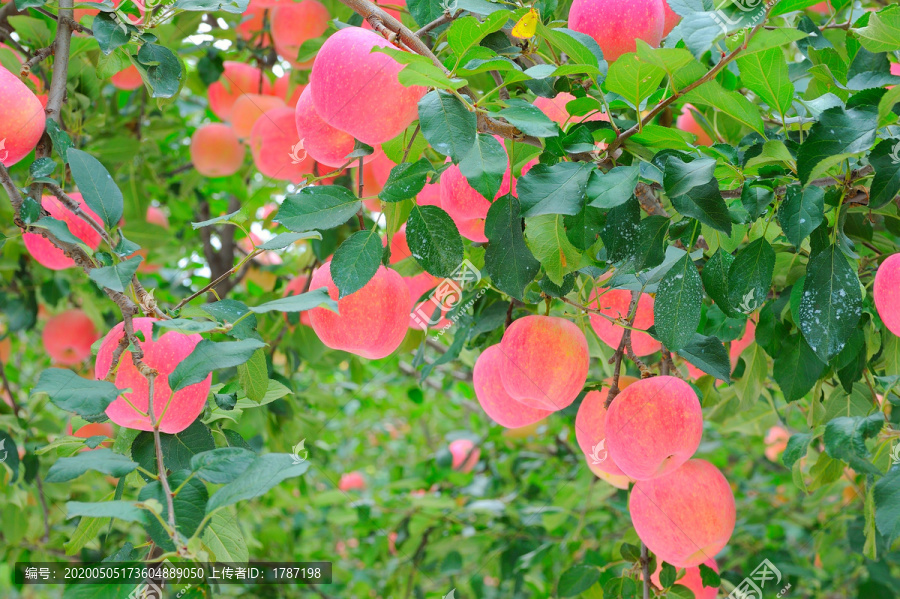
(325, 144)
(685, 517)
(887, 293)
(687, 122)
(461, 449)
(590, 429)
(372, 321)
(739, 345)
(156, 216)
(671, 20)
(352, 481)
(653, 427)
(273, 143)
(494, 400)
(615, 303)
(546, 361)
(357, 90)
(127, 79)
(776, 442)
(616, 25)
(23, 119)
(68, 337)
(296, 22)
(45, 252)
(216, 150)
(164, 355)
(237, 79)
(249, 108)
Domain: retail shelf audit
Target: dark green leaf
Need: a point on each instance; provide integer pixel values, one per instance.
(223, 465)
(705, 203)
(613, 188)
(356, 261)
(528, 118)
(507, 259)
(886, 493)
(177, 449)
(264, 473)
(845, 439)
(715, 279)
(680, 177)
(318, 207)
(756, 199)
(100, 460)
(709, 355)
(118, 276)
(885, 158)
(750, 276)
(42, 167)
(160, 69)
(557, 189)
(434, 241)
(679, 299)
(797, 368)
(797, 446)
(447, 124)
(838, 134)
(108, 33)
(61, 140)
(10, 453)
(831, 304)
(72, 393)
(97, 187)
(484, 165)
(406, 180)
(577, 579)
(211, 355)
(802, 211)
(189, 505)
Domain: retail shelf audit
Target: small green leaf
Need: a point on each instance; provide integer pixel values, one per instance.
(129, 511)
(838, 134)
(679, 298)
(613, 188)
(356, 261)
(434, 241)
(265, 472)
(406, 180)
(715, 279)
(557, 189)
(447, 124)
(507, 259)
(211, 355)
(797, 446)
(72, 393)
(97, 187)
(577, 579)
(709, 355)
(750, 276)
(484, 166)
(100, 460)
(314, 298)
(222, 465)
(254, 376)
(528, 118)
(318, 207)
(802, 211)
(118, 276)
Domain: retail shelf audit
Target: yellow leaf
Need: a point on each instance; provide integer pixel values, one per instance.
(527, 25)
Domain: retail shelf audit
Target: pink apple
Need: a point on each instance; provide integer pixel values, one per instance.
(163, 355)
(615, 303)
(45, 252)
(352, 481)
(671, 20)
(746, 340)
(324, 143)
(687, 122)
(275, 149)
(127, 79)
(372, 321)
(616, 25)
(216, 150)
(23, 119)
(887, 293)
(685, 517)
(296, 22)
(237, 79)
(776, 442)
(653, 427)
(68, 337)
(590, 429)
(494, 400)
(546, 361)
(555, 109)
(156, 216)
(357, 90)
(465, 455)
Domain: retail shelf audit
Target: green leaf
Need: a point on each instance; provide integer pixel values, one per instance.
(577, 579)
(557, 189)
(882, 34)
(318, 207)
(766, 74)
(613, 188)
(225, 218)
(118, 276)
(802, 211)
(886, 493)
(709, 355)
(356, 261)
(314, 298)
(406, 180)
(160, 69)
(60, 230)
(547, 240)
(649, 250)
(224, 540)
(96, 185)
(749, 387)
(284, 240)
(233, 6)
(633, 79)
(102, 460)
(484, 166)
(189, 505)
(838, 134)
(42, 167)
(72, 393)
(528, 118)
(885, 159)
(428, 75)
(705, 203)
(680, 177)
(750, 276)
(447, 124)
(797, 446)
(797, 368)
(264, 473)
(732, 103)
(211, 355)
(254, 376)
(434, 241)
(182, 325)
(580, 48)
(177, 449)
(129, 511)
(507, 259)
(61, 140)
(845, 439)
(715, 280)
(222, 465)
(679, 299)
(108, 33)
(87, 530)
(831, 304)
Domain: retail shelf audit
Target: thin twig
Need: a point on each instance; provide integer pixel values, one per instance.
(626, 339)
(441, 20)
(645, 570)
(36, 59)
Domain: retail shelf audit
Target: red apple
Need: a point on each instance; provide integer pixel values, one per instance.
(615, 303)
(496, 402)
(45, 252)
(237, 79)
(68, 337)
(23, 119)
(352, 481)
(616, 25)
(465, 455)
(216, 150)
(275, 149)
(887, 293)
